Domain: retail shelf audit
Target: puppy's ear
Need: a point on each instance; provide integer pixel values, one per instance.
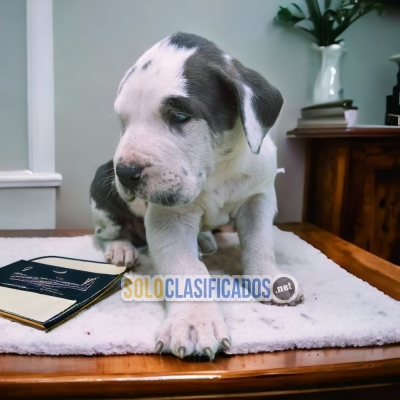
(259, 103)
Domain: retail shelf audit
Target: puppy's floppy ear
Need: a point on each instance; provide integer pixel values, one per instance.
(259, 103)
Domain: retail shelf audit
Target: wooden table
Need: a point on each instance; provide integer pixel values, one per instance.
(304, 374)
(352, 185)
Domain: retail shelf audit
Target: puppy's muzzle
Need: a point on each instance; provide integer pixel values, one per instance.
(129, 176)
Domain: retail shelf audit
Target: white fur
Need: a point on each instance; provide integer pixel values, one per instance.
(239, 185)
(138, 207)
(164, 77)
(228, 58)
(116, 250)
(104, 227)
(121, 252)
(146, 139)
(254, 129)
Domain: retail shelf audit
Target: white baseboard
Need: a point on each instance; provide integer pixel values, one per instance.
(28, 199)
(28, 208)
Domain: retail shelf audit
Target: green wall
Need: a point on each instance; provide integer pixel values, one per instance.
(96, 41)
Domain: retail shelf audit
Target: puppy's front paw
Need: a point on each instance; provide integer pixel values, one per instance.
(193, 328)
(299, 298)
(207, 243)
(121, 253)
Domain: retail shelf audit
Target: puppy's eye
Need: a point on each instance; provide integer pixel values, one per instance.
(179, 118)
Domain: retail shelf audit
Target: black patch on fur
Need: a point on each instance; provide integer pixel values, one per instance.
(209, 98)
(177, 104)
(188, 40)
(145, 66)
(267, 101)
(215, 86)
(104, 193)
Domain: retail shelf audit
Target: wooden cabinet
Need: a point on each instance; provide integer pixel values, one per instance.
(352, 186)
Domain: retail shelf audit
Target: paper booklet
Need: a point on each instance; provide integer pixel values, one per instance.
(45, 291)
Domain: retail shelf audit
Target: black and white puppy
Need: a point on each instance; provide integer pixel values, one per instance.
(194, 154)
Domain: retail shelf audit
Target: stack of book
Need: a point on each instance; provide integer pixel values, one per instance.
(338, 114)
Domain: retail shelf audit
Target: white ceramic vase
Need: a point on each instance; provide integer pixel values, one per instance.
(328, 86)
(396, 59)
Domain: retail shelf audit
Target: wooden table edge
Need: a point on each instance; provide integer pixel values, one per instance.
(380, 273)
(299, 380)
(381, 371)
(372, 132)
(392, 364)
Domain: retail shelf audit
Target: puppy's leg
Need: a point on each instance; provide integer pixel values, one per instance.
(254, 222)
(117, 239)
(207, 243)
(116, 227)
(190, 327)
(114, 238)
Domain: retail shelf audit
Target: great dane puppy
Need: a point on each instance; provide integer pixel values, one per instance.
(194, 154)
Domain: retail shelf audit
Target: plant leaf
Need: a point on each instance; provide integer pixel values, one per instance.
(328, 4)
(308, 27)
(379, 8)
(284, 14)
(309, 33)
(299, 10)
(328, 19)
(327, 27)
(361, 8)
(316, 19)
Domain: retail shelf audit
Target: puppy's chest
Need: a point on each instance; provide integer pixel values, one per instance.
(221, 203)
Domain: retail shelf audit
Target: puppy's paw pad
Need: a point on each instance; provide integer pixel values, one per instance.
(121, 253)
(193, 329)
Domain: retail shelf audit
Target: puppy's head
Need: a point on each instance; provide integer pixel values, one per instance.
(179, 105)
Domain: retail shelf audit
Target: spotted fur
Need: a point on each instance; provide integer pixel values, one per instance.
(195, 153)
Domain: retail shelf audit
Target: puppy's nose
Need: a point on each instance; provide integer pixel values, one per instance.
(129, 176)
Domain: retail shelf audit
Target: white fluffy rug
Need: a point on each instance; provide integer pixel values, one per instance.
(340, 309)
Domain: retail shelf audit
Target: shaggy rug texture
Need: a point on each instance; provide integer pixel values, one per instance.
(339, 309)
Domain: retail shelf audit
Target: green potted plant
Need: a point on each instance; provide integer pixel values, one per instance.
(324, 22)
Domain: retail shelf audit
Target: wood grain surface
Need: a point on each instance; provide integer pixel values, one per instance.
(378, 272)
(305, 374)
(352, 189)
(367, 132)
